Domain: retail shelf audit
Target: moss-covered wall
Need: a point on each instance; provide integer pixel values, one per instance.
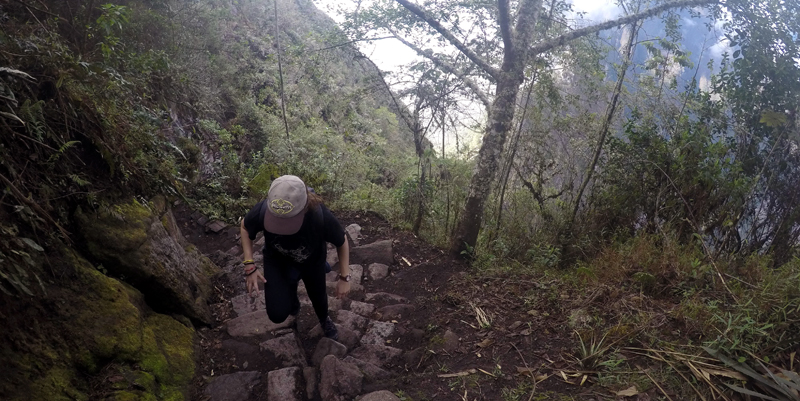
(93, 338)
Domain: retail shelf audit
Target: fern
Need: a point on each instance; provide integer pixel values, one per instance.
(55, 156)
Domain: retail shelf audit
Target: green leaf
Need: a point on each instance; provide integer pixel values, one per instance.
(773, 119)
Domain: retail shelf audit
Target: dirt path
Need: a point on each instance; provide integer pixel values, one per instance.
(414, 332)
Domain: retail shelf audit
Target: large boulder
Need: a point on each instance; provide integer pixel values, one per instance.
(144, 246)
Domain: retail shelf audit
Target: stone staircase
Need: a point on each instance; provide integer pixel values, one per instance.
(369, 346)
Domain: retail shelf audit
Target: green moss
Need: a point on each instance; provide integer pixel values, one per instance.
(107, 320)
(56, 384)
(167, 353)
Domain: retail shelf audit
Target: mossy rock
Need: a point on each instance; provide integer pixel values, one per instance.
(148, 250)
(95, 319)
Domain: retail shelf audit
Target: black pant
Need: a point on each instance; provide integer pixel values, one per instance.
(281, 291)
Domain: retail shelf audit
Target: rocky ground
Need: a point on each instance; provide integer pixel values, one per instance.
(415, 327)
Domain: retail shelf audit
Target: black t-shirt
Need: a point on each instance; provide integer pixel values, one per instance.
(302, 249)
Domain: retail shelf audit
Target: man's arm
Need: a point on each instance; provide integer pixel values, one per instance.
(343, 288)
(253, 278)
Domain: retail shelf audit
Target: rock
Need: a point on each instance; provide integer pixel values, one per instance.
(354, 288)
(383, 395)
(351, 320)
(244, 304)
(233, 387)
(171, 225)
(332, 275)
(349, 338)
(332, 257)
(235, 251)
(379, 355)
(579, 318)
(339, 381)
(310, 375)
(259, 242)
(376, 252)
(334, 304)
(384, 297)
(362, 308)
(326, 347)
(137, 245)
(378, 271)
(286, 349)
(243, 352)
(356, 272)
(354, 232)
(371, 372)
(285, 384)
(395, 312)
(413, 357)
(451, 341)
(377, 333)
(417, 334)
(215, 226)
(255, 323)
(201, 220)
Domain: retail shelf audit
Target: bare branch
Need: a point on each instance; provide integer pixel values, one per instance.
(447, 67)
(578, 33)
(433, 23)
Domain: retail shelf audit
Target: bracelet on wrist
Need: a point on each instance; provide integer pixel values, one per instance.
(247, 274)
(249, 261)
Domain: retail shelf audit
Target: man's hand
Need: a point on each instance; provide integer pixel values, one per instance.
(342, 289)
(252, 282)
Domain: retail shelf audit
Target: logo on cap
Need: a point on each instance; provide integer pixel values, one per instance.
(281, 206)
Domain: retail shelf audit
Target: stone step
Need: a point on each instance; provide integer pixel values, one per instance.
(372, 373)
(362, 308)
(287, 349)
(285, 384)
(244, 304)
(339, 380)
(233, 387)
(378, 355)
(255, 323)
(326, 347)
(376, 252)
(378, 332)
(383, 395)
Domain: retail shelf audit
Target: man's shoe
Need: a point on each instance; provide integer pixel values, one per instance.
(330, 329)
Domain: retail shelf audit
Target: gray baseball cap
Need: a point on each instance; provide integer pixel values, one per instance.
(286, 203)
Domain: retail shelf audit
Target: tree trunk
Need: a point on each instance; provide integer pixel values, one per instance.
(501, 116)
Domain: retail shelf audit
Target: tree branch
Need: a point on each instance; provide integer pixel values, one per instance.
(504, 19)
(578, 33)
(494, 72)
(447, 67)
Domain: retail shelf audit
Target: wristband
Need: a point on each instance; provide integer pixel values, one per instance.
(248, 261)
